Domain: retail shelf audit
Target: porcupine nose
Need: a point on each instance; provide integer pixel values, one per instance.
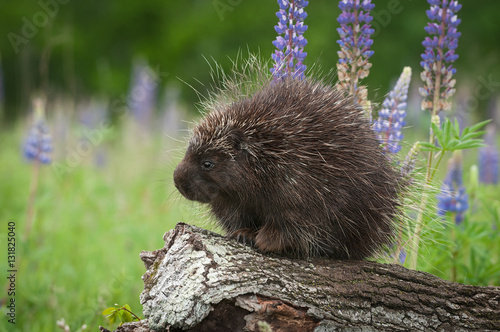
(180, 179)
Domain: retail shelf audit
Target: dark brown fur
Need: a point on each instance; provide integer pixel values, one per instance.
(296, 169)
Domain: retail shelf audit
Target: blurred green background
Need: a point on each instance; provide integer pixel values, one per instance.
(87, 48)
(120, 81)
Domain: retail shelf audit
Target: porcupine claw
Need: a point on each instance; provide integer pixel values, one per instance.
(245, 236)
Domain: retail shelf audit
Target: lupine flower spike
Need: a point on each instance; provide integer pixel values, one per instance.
(439, 86)
(37, 148)
(439, 55)
(410, 160)
(402, 256)
(391, 117)
(289, 55)
(142, 95)
(38, 144)
(453, 197)
(355, 31)
(488, 158)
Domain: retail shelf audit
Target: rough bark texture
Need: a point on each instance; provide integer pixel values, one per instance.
(201, 281)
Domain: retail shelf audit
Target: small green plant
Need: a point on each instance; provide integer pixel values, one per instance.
(123, 313)
(445, 138)
(448, 138)
(264, 326)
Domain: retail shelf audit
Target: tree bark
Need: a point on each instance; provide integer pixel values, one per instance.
(201, 281)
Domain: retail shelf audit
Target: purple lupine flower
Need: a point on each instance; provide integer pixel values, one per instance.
(402, 256)
(38, 145)
(92, 117)
(488, 158)
(398, 253)
(391, 117)
(453, 197)
(439, 55)
(171, 122)
(142, 95)
(355, 42)
(289, 55)
(409, 162)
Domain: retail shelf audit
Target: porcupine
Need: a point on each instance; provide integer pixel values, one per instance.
(295, 168)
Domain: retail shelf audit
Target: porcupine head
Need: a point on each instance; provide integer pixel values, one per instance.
(292, 168)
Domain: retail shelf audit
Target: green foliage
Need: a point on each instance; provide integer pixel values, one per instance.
(123, 313)
(444, 138)
(449, 138)
(264, 326)
(468, 253)
(90, 226)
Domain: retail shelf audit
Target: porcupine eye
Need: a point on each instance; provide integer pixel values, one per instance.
(207, 165)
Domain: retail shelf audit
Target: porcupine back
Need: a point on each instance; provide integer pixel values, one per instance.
(295, 168)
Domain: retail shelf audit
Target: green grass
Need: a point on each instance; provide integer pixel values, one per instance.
(92, 222)
(82, 254)
(468, 253)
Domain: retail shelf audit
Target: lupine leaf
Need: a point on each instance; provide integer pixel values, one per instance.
(472, 135)
(456, 129)
(437, 132)
(426, 146)
(449, 139)
(479, 125)
(447, 132)
(450, 145)
(469, 145)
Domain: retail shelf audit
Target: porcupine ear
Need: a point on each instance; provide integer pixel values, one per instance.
(238, 140)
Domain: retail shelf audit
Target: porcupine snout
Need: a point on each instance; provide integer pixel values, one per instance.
(192, 185)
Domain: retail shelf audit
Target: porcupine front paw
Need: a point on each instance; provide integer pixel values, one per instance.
(245, 236)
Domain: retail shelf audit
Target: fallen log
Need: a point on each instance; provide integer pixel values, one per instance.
(201, 281)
